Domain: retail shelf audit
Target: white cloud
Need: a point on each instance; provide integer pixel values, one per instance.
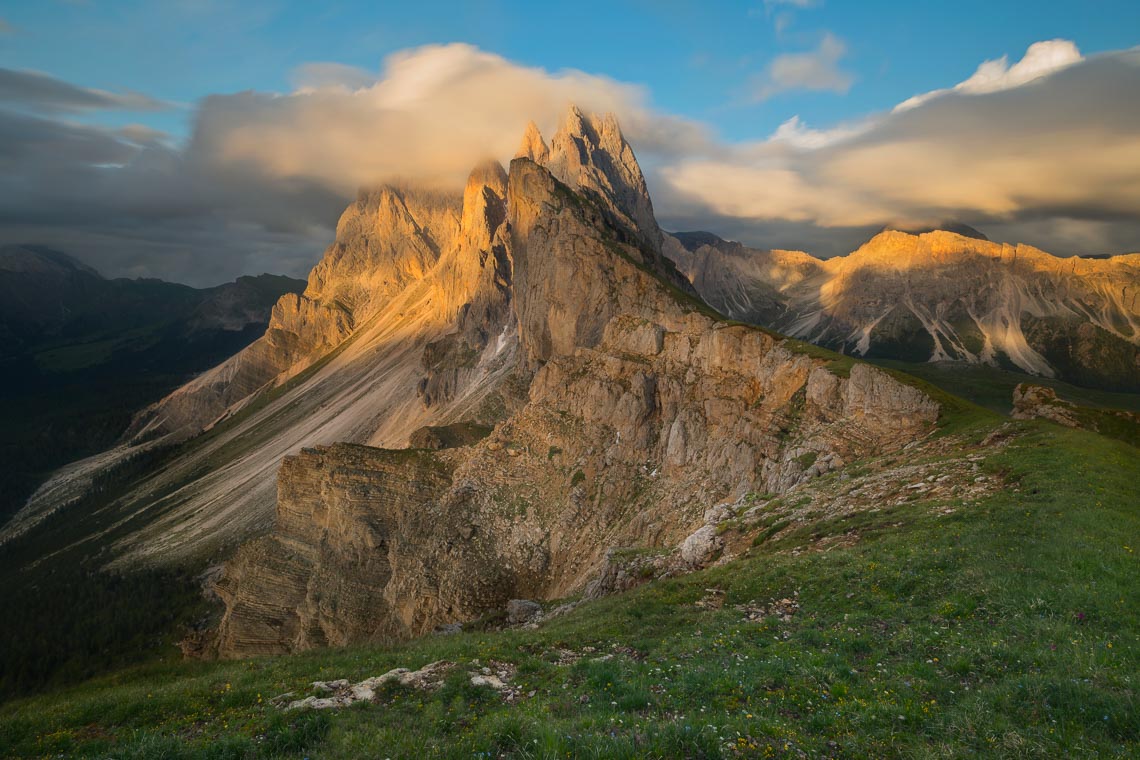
(1040, 59)
(431, 113)
(795, 133)
(817, 70)
(1068, 146)
(311, 77)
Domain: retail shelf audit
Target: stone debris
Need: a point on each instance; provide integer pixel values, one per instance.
(567, 657)
(343, 693)
(712, 600)
(448, 629)
(496, 675)
(701, 546)
(781, 610)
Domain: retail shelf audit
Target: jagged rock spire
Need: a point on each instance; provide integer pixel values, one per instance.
(591, 153)
(484, 202)
(533, 146)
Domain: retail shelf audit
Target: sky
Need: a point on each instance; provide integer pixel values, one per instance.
(196, 140)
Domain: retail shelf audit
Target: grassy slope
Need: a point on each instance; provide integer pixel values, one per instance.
(993, 388)
(1008, 628)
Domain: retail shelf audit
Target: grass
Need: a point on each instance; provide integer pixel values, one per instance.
(1005, 629)
(992, 387)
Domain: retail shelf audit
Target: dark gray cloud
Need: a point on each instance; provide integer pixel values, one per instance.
(130, 205)
(34, 91)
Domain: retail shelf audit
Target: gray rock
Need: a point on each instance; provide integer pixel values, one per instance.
(700, 547)
(521, 611)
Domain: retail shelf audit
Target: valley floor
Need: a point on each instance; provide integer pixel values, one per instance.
(938, 626)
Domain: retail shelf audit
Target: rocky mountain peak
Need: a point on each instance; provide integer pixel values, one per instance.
(948, 225)
(590, 153)
(533, 146)
(484, 202)
(41, 260)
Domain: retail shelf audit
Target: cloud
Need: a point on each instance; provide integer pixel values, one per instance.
(431, 113)
(262, 180)
(797, 134)
(817, 70)
(264, 166)
(1005, 150)
(1041, 59)
(33, 91)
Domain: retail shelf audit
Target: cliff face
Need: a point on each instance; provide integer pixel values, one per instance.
(390, 238)
(936, 296)
(640, 412)
(425, 348)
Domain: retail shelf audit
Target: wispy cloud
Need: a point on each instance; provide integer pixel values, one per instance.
(816, 70)
(1041, 59)
(783, 12)
(37, 92)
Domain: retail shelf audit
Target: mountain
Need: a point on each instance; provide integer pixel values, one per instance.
(501, 414)
(936, 296)
(81, 354)
(600, 403)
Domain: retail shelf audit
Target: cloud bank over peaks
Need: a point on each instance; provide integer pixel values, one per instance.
(1053, 136)
(267, 171)
(430, 114)
(1046, 147)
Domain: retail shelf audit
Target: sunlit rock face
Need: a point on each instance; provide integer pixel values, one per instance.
(632, 409)
(937, 296)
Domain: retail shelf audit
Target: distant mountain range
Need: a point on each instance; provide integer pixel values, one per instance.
(935, 296)
(80, 353)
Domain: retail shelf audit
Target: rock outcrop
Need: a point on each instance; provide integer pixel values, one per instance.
(936, 296)
(1031, 401)
(641, 409)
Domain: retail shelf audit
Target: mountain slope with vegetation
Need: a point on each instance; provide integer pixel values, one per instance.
(932, 627)
(81, 354)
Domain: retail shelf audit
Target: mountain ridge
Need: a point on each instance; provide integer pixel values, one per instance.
(82, 353)
(937, 296)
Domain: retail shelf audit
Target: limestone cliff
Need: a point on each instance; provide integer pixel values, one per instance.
(642, 410)
(1032, 401)
(388, 239)
(403, 325)
(933, 297)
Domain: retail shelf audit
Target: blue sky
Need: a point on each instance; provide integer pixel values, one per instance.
(696, 59)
